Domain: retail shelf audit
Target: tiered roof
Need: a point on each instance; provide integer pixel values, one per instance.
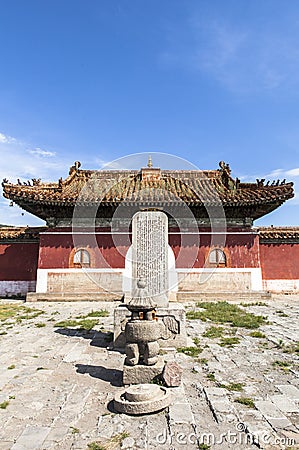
(151, 187)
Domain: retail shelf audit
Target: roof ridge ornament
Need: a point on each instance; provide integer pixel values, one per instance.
(75, 167)
(149, 162)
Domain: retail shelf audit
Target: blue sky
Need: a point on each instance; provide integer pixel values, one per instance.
(95, 80)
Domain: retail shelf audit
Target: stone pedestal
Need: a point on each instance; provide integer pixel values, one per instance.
(171, 320)
(141, 373)
(142, 399)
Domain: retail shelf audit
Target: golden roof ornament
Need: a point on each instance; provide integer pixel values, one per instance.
(150, 162)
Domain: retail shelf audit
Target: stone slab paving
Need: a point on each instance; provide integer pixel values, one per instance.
(60, 382)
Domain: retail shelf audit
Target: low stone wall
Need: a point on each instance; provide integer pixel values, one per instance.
(16, 288)
(277, 286)
(217, 280)
(63, 281)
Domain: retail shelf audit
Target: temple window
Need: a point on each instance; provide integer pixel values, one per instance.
(217, 258)
(81, 258)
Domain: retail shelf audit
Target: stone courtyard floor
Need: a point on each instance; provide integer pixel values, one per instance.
(57, 384)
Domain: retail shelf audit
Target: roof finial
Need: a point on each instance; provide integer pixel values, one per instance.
(150, 162)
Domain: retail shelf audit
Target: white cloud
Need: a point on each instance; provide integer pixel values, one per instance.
(293, 172)
(5, 139)
(40, 152)
(14, 215)
(19, 161)
(280, 174)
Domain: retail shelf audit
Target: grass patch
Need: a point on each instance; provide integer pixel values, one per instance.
(257, 334)
(84, 324)
(292, 348)
(196, 341)
(224, 312)
(96, 446)
(247, 401)
(111, 444)
(203, 360)
(101, 313)
(279, 344)
(190, 351)
(233, 386)
(11, 367)
(214, 332)
(229, 342)
(284, 365)
(4, 404)
(8, 311)
(75, 430)
(2, 333)
(204, 446)
(211, 376)
(18, 313)
(40, 325)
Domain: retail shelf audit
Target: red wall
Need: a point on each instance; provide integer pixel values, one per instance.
(18, 261)
(280, 261)
(241, 249)
(109, 251)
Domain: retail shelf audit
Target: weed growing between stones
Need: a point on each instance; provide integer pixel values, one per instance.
(284, 365)
(203, 361)
(233, 386)
(111, 444)
(224, 312)
(11, 367)
(190, 351)
(229, 342)
(292, 348)
(214, 332)
(279, 344)
(75, 430)
(40, 325)
(257, 334)
(211, 376)
(101, 313)
(4, 404)
(247, 401)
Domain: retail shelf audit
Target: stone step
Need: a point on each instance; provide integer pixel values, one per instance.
(74, 297)
(181, 296)
(245, 296)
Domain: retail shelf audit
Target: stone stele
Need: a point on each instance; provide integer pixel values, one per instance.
(142, 399)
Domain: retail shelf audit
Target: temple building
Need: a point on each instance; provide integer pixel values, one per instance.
(84, 251)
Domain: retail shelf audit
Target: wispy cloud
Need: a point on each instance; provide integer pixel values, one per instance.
(243, 55)
(43, 153)
(281, 174)
(19, 160)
